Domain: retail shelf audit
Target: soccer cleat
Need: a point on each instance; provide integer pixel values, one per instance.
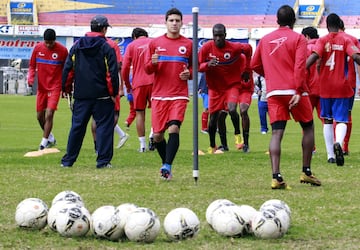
(65, 166)
(165, 172)
(339, 155)
(239, 141)
(151, 144)
(331, 160)
(108, 165)
(223, 148)
(142, 150)
(275, 184)
(214, 151)
(123, 140)
(204, 131)
(41, 147)
(127, 125)
(246, 148)
(345, 152)
(51, 144)
(310, 179)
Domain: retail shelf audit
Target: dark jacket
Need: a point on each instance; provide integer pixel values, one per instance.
(95, 68)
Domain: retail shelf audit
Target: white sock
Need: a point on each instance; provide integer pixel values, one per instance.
(151, 135)
(44, 142)
(340, 132)
(328, 131)
(51, 137)
(119, 131)
(142, 142)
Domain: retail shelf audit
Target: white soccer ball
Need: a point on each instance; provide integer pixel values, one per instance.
(68, 195)
(142, 225)
(228, 221)
(277, 205)
(181, 223)
(54, 211)
(73, 220)
(105, 223)
(123, 211)
(266, 225)
(31, 213)
(215, 205)
(282, 215)
(247, 213)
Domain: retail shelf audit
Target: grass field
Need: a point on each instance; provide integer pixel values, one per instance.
(326, 217)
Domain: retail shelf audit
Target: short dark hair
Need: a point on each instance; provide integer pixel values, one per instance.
(49, 35)
(138, 32)
(311, 32)
(173, 11)
(286, 16)
(219, 26)
(342, 25)
(333, 21)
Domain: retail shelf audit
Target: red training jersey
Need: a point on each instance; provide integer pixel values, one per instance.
(281, 58)
(174, 56)
(312, 80)
(48, 64)
(333, 50)
(135, 57)
(351, 75)
(228, 72)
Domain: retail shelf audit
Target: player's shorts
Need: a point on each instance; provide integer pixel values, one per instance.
(335, 108)
(219, 99)
(47, 100)
(142, 97)
(205, 100)
(164, 111)
(352, 99)
(245, 97)
(278, 106)
(117, 103)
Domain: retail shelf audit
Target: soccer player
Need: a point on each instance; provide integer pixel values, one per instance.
(169, 57)
(335, 89)
(47, 61)
(93, 61)
(280, 57)
(141, 85)
(260, 90)
(312, 78)
(203, 92)
(351, 77)
(221, 61)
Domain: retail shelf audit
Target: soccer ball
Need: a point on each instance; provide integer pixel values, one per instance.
(215, 205)
(227, 221)
(280, 214)
(73, 220)
(142, 225)
(277, 205)
(181, 223)
(247, 213)
(266, 225)
(123, 211)
(105, 223)
(53, 213)
(68, 195)
(31, 213)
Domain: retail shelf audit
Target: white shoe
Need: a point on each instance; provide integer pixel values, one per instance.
(123, 140)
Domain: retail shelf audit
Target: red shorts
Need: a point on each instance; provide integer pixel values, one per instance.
(279, 109)
(47, 100)
(162, 112)
(245, 97)
(142, 97)
(218, 100)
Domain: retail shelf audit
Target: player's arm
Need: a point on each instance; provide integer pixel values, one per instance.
(32, 68)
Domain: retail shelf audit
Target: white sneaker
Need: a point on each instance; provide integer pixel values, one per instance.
(123, 140)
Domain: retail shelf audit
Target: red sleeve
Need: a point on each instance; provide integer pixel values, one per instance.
(32, 67)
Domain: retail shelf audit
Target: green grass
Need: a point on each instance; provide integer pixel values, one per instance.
(325, 217)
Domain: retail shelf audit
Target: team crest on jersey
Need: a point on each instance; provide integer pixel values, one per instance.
(182, 50)
(227, 56)
(54, 56)
(327, 47)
